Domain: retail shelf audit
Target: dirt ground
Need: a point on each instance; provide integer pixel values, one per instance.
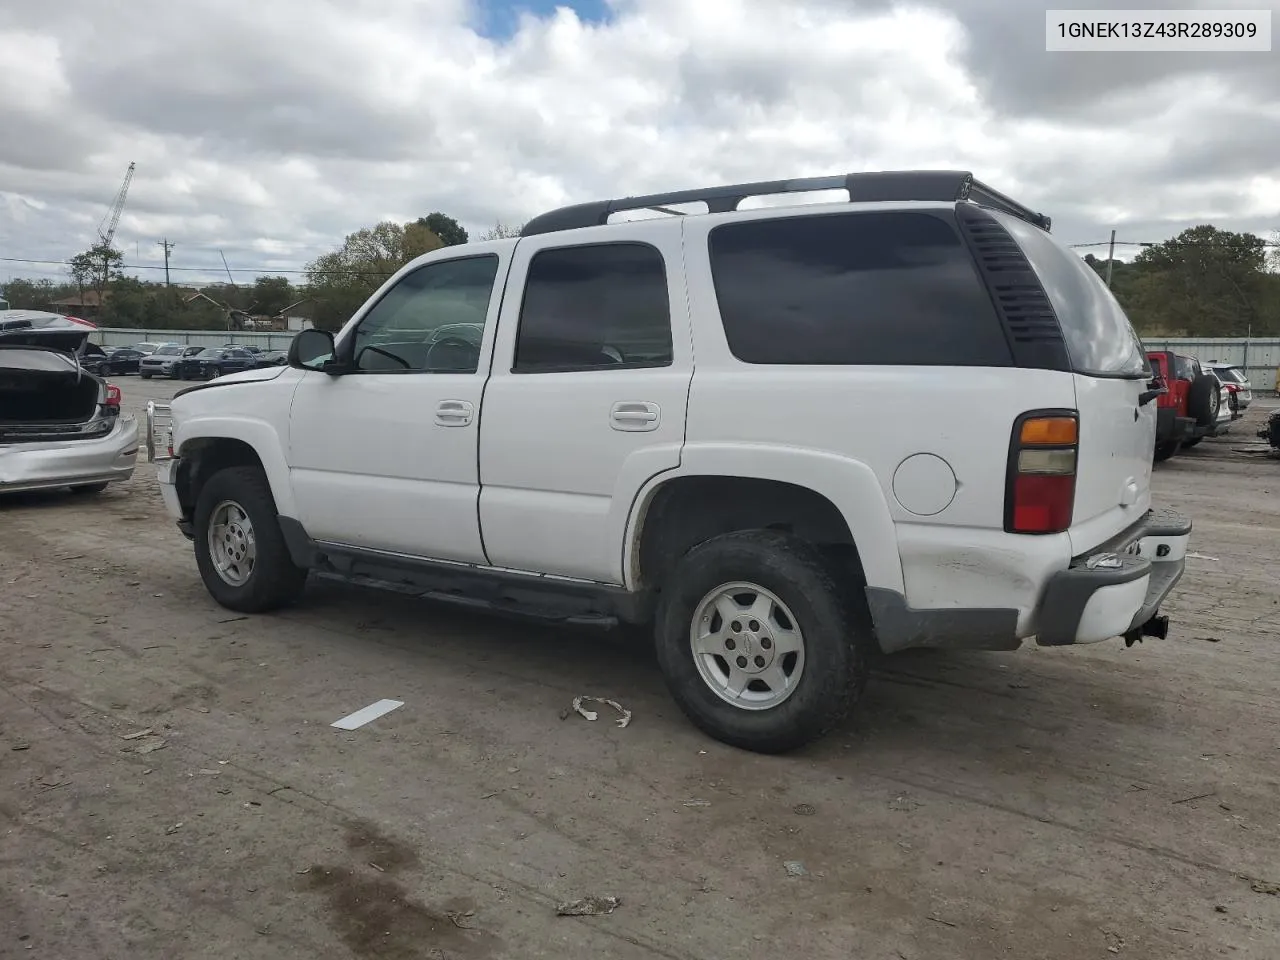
(171, 787)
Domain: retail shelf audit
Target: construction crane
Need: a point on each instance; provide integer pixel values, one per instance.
(107, 229)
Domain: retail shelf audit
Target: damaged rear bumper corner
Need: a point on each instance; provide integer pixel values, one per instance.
(65, 463)
(1116, 590)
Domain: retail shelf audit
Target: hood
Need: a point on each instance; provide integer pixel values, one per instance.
(258, 375)
(30, 328)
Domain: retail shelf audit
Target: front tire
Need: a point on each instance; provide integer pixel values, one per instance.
(1166, 450)
(104, 370)
(145, 376)
(240, 550)
(760, 646)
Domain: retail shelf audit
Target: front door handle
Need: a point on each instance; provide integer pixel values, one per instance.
(453, 413)
(635, 415)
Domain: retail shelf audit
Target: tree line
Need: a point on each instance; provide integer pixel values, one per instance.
(335, 283)
(1205, 282)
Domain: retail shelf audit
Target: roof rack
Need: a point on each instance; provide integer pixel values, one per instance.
(893, 185)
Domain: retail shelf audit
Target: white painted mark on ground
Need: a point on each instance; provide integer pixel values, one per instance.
(367, 714)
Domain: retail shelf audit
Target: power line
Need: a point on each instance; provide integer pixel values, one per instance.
(261, 271)
(1172, 244)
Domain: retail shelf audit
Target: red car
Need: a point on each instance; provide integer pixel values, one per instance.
(1188, 411)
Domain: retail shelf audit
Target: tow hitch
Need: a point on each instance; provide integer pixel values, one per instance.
(1157, 626)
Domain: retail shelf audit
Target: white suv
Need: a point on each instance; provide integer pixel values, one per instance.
(678, 422)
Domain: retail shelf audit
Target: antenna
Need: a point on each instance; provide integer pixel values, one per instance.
(226, 268)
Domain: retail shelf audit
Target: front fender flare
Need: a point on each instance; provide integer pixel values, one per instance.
(262, 437)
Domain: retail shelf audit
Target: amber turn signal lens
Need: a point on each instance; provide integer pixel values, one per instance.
(1049, 431)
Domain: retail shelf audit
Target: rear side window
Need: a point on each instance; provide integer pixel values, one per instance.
(1100, 339)
(894, 287)
(596, 306)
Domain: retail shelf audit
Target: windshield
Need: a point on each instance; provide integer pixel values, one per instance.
(210, 354)
(171, 351)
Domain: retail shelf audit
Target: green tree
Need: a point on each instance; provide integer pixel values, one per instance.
(449, 230)
(33, 294)
(342, 280)
(129, 304)
(1204, 282)
(95, 268)
(500, 231)
(270, 295)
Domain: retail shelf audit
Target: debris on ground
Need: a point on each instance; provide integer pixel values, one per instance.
(457, 919)
(174, 829)
(1201, 556)
(1265, 886)
(588, 907)
(1210, 639)
(795, 869)
(803, 810)
(904, 804)
(138, 735)
(592, 715)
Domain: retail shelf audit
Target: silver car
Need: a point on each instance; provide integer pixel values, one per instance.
(1237, 384)
(60, 426)
(163, 362)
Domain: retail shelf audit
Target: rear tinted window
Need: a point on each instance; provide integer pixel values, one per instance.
(1100, 339)
(1229, 374)
(854, 288)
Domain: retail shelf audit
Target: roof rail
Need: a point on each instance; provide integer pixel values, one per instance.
(893, 185)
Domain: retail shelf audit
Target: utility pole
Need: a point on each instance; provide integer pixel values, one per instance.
(1111, 257)
(169, 246)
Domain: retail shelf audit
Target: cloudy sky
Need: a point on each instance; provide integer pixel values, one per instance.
(268, 130)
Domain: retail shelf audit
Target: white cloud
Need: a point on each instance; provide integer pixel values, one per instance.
(268, 131)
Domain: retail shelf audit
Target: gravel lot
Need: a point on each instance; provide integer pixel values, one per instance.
(171, 787)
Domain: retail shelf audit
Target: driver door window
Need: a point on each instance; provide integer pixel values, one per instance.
(432, 321)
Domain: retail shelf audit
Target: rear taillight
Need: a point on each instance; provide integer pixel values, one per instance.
(1041, 488)
(113, 396)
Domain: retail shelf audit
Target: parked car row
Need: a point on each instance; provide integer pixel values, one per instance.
(176, 361)
(1198, 400)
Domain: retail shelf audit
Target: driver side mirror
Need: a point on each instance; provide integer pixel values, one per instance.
(312, 349)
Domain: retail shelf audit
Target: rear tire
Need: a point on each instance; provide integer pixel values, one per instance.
(245, 563)
(1192, 442)
(145, 376)
(88, 489)
(104, 370)
(1166, 450)
(790, 640)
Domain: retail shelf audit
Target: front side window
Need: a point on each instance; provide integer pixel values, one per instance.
(596, 306)
(853, 288)
(432, 321)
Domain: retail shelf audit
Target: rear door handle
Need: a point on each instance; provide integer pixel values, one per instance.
(635, 415)
(453, 413)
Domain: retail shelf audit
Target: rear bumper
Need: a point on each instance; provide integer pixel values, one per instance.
(63, 463)
(1114, 590)
(1171, 427)
(1118, 588)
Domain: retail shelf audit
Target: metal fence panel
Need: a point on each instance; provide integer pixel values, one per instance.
(122, 337)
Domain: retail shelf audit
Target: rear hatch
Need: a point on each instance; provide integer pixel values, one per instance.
(1111, 373)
